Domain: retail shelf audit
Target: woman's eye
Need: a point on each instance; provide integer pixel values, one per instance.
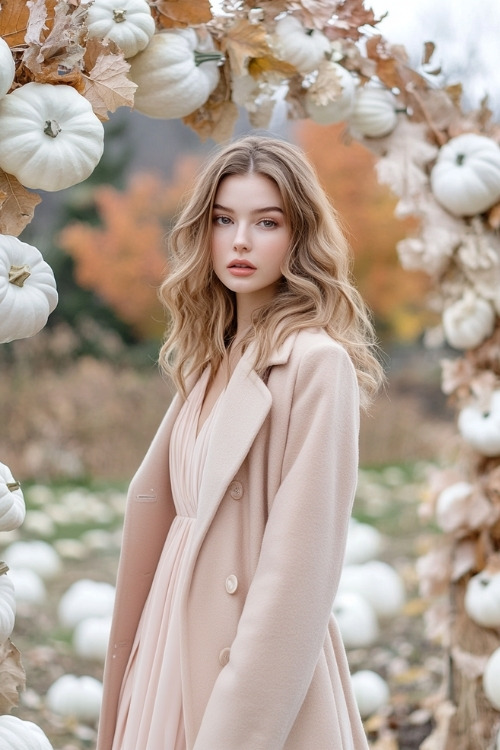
(222, 220)
(268, 223)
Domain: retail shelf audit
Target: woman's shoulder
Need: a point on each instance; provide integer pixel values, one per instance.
(311, 340)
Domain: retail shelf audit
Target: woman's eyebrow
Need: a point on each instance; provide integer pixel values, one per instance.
(263, 210)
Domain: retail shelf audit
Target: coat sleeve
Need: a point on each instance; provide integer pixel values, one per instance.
(258, 694)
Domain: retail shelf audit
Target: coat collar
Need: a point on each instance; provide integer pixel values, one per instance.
(239, 417)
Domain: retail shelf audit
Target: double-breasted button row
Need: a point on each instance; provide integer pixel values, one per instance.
(231, 584)
(224, 656)
(236, 490)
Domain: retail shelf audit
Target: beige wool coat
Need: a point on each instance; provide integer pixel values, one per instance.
(262, 662)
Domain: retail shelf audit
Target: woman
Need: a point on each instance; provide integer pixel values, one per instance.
(236, 521)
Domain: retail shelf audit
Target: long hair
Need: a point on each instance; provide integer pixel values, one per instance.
(316, 289)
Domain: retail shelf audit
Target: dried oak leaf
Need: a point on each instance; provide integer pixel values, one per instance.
(216, 118)
(12, 676)
(14, 20)
(350, 16)
(258, 66)
(18, 205)
(243, 42)
(181, 13)
(105, 81)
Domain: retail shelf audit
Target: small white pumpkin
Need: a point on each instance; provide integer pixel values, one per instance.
(370, 691)
(356, 619)
(468, 321)
(374, 111)
(466, 177)
(481, 429)
(7, 607)
(51, 138)
(28, 292)
(85, 598)
(128, 23)
(29, 589)
(378, 582)
(451, 505)
(364, 543)
(91, 637)
(491, 679)
(12, 506)
(35, 555)
(7, 67)
(76, 697)
(18, 734)
(303, 48)
(175, 74)
(482, 599)
(334, 110)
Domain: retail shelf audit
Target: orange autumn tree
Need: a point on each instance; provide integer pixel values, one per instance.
(346, 170)
(124, 260)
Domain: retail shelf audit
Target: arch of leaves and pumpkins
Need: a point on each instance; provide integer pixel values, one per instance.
(65, 64)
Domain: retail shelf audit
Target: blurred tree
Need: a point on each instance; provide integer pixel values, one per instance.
(366, 208)
(123, 259)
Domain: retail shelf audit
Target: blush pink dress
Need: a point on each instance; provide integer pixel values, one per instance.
(150, 708)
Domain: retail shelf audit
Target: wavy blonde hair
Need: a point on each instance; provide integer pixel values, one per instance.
(316, 288)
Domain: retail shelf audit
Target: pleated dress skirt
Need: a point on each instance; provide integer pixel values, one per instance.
(150, 713)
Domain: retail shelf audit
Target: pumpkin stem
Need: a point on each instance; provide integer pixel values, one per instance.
(460, 159)
(119, 15)
(13, 486)
(3, 568)
(18, 275)
(202, 57)
(52, 128)
(309, 32)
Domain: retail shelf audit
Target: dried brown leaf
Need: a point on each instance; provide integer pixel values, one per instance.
(12, 676)
(182, 13)
(54, 50)
(18, 205)
(14, 17)
(243, 42)
(350, 16)
(429, 48)
(315, 14)
(106, 84)
(494, 216)
(260, 65)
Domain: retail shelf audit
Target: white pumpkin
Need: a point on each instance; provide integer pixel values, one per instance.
(28, 291)
(481, 429)
(35, 555)
(378, 582)
(128, 23)
(370, 691)
(364, 543)
(12, 507)
(29, 589)
(482, 599)
(491, 679)
(76, 697)
(175, 74)
(451, 505)
(18, 734)
(85, 598)
(91, 637)
(466, 176)
(468, 321)
(303, 48)
(7, 607)
(7, 67)
(50, 137)
(334, 110)
(356, 619)
(374, 111)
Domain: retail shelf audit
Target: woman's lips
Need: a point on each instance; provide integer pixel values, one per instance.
(241, 269)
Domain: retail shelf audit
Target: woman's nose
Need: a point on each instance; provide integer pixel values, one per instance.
(241, 239)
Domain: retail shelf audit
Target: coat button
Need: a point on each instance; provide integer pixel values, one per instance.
(236, 490)
(224, 656)
(231, 584)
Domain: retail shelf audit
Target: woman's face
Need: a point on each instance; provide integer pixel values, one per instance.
(250, 236)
